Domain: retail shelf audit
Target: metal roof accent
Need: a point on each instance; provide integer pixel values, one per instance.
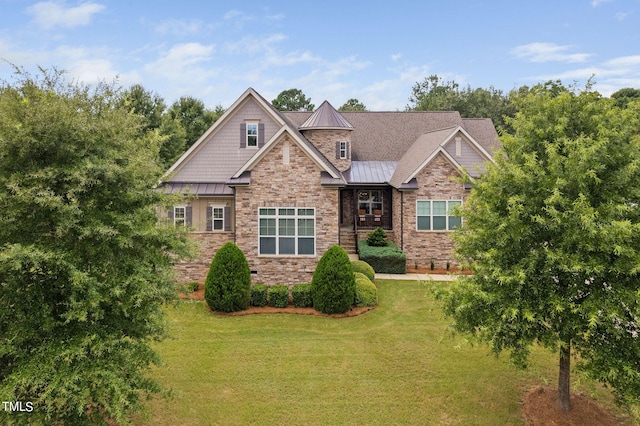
(196, 188)
(243, 179)
(326, 117)
(370, 172)
(327, 180)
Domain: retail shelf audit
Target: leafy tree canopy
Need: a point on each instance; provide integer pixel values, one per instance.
(623, 96)
(353, 105)
(145, 103)
(435, 94)
(194, 117)
(84, 266)
(292, 100)
(552, 233)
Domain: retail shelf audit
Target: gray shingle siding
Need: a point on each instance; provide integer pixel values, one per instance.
(220, 157)
(470, 158)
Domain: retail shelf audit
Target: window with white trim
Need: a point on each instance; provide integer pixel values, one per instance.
(217, 218)
(286, 231)
(252, 134)
(179, 215)
(342, 150)
(437, 215)
(370, 201)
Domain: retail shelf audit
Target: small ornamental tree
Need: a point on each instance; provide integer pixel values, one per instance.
(333, 285)
(228, 284)
(377, 238)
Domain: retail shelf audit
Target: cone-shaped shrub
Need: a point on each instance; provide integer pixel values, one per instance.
(228, 284)
(333, 285)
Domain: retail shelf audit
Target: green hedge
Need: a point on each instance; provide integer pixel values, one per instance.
(364, 268)
(279, 296)
(385, 260)
(301, 296)
(259, 295)
(366, 291)
(228, 284)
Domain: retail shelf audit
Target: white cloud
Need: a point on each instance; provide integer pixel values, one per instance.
(596, 3)
(621, 16)
(548, 52)
(51, 14)
(186, 63)
(180, 27)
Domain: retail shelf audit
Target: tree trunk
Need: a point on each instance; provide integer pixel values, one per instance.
(564, 377)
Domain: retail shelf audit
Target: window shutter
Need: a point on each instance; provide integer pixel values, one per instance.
(337, 150)
(260, 135)
(227, 219)
(348, 150)
(209, 218)
(188, 215)
(170, 213)
(243, 135)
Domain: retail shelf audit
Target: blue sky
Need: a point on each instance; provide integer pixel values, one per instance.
(374, 51)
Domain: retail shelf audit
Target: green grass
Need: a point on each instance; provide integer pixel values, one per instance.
(396, 364)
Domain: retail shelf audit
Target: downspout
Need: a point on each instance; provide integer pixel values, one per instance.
(402, 220)
(235, 223)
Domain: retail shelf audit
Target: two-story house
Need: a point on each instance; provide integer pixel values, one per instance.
(286, 186)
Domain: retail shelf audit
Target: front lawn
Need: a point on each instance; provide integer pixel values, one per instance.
(393, 365)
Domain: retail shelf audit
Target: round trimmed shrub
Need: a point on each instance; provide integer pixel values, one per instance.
(363, 267)
(333, 284)
(228, 284)
(366, 291)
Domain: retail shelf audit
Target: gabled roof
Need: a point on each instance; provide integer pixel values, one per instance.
(306, 146)
(425, 149)
(326, 117)
(250, 92)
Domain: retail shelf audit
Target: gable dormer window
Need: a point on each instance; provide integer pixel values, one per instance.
(252, 135)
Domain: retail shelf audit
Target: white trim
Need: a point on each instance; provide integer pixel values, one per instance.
(184, 217)
(296, 216)
(431, 201)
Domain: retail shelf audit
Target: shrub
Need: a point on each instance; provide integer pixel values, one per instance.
(333, 284)
(365, 268)
(279, 296)
(301, 296)
(366, 291)
(389, 259)
(377, 238)
(228, 284)
(259, 295)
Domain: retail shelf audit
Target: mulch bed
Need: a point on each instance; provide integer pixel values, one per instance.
(540, 408)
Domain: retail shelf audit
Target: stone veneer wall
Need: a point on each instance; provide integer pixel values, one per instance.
(197, 269)
(325, 140)
(275, 184)
(438, 181)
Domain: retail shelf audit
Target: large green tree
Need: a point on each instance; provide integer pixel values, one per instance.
(552, 234)
(436, 94)
(192, 114)
(292, 100)
(85, 266)
(143, 102)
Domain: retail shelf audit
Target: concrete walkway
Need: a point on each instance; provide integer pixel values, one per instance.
(417, 277)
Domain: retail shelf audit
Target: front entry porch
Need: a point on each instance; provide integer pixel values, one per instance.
(366, 208)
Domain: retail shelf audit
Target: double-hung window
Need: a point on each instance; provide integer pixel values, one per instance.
(286, 231)
(342, 149)
(436, 215)
(217, 218)
(179, 215)
(252, 135)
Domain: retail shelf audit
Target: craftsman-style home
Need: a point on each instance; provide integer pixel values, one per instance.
(286, 186)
